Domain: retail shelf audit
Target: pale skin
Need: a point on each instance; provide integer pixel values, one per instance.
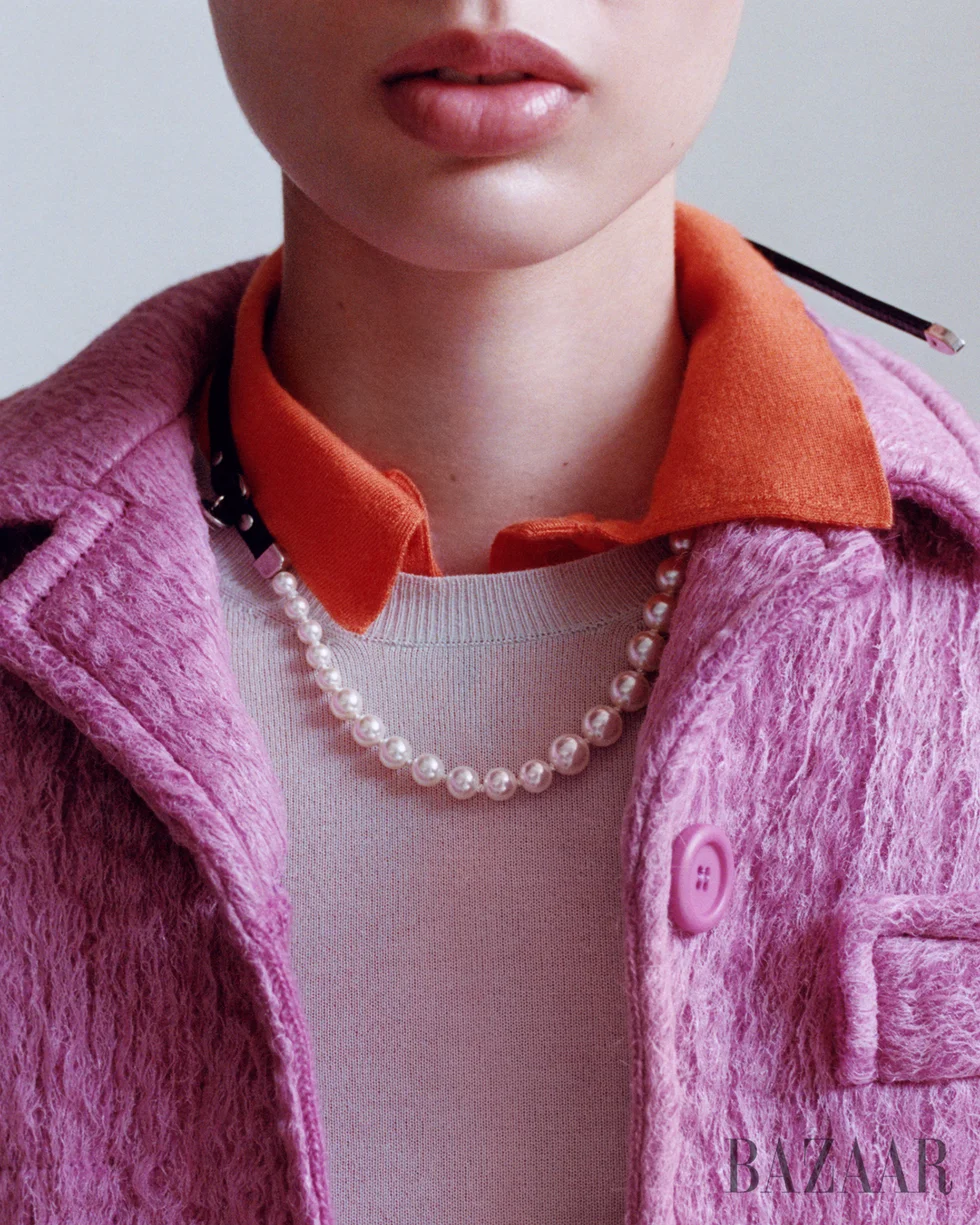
(504, 330)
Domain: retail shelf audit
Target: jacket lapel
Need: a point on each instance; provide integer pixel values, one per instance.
(114, 619)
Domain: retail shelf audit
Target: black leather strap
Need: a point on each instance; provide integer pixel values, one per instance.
(934, 334)
(232, 506)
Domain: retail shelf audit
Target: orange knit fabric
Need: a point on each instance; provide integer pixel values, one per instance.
(768, 424)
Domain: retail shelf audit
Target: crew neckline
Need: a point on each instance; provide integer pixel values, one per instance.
(450, 610)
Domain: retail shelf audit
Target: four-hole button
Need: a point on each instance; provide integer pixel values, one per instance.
(702, 867)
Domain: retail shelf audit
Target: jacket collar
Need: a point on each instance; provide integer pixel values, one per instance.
(115, 618)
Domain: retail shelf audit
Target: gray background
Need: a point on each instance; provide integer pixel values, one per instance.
(846, 137)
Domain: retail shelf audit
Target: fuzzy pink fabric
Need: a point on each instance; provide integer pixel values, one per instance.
(819, 697)
(909, 978)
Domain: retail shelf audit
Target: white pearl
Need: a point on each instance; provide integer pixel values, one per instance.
(535, 775)
(368, 730)
(644, 651)
(319, 655)
(296, 608)
(569, 753)
(602, 726)
(629, 690)
(345, 703)
(669, 574)
(500, 783)
(657, 611)
(328, 678)
(309, 632)
(284, 583)
(427, 770)
(395, 752)
(462, 782)
(681, 542)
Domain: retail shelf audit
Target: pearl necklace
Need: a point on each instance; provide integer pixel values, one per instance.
(569, 753)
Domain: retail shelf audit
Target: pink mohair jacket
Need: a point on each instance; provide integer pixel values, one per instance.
(819, 698)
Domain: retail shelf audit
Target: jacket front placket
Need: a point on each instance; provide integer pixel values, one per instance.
(745, 584)
(114, 620)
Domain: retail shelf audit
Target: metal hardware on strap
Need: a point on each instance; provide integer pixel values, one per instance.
(233, 506)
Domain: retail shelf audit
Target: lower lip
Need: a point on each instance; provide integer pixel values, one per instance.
(479, 120)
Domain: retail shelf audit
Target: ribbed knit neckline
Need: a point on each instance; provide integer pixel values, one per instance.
(512, 605)
(515, 605)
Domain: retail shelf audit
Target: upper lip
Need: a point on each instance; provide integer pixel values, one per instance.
(479, 54)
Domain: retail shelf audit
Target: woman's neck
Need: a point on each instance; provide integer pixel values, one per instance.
(505, 395)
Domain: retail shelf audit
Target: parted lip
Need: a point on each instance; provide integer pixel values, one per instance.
(477, 54)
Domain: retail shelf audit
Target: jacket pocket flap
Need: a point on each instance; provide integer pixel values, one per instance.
(908, 973)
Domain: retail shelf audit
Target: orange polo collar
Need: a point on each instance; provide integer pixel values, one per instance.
(768, 424)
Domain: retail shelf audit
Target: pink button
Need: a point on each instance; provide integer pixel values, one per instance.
(702, 868)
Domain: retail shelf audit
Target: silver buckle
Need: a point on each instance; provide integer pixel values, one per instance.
(209, 506)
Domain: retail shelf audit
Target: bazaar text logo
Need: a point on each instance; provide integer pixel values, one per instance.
(821, 1167)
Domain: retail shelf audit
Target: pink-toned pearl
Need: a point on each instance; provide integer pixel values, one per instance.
(602, 726)
(284, 583)
(629, 691)
(669, 574)
(681, 542)
(296, 608)
(345, 703)
(500, 783)
(309, 632)
(463, 782)
(395, 752)
(657, 612)
(328, 678)
(535, 776)
(569, 753)
(427, 770)
(644, 651)
(367, 730)
(319, 655)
